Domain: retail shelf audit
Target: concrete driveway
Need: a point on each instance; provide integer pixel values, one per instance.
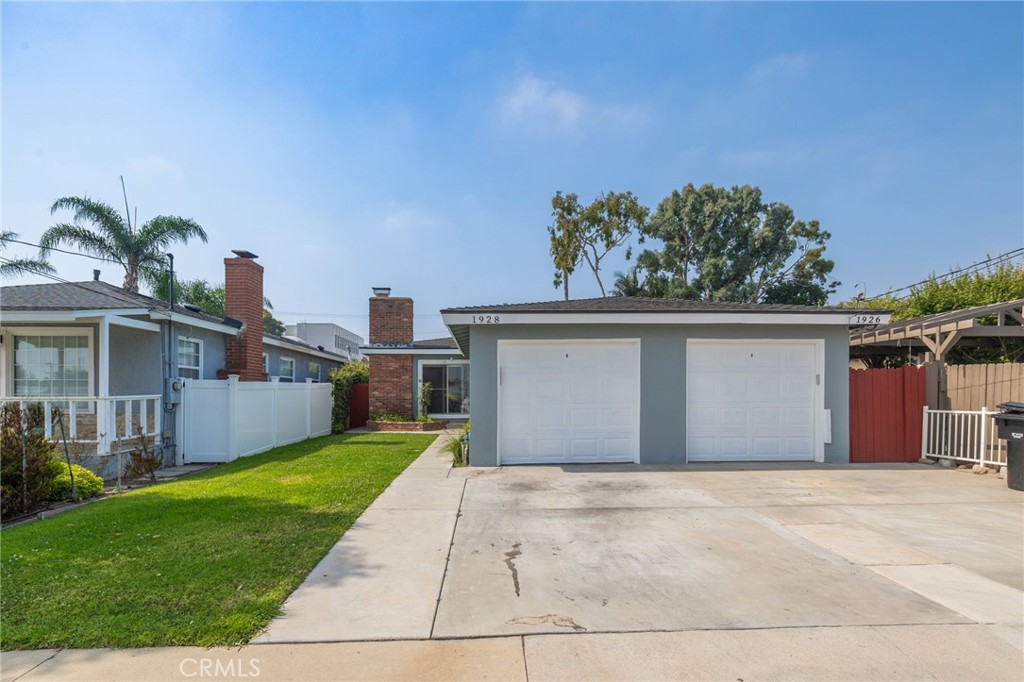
(471, 553)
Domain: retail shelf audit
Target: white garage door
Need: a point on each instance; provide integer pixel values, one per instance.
(568, 401)
(751, 400)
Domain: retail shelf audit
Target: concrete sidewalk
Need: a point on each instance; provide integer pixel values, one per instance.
(383, 577)
(935, 652)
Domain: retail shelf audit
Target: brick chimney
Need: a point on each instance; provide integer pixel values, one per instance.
(391, 380)
(243, 300)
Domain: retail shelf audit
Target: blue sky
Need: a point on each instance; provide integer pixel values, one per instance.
(418, 146)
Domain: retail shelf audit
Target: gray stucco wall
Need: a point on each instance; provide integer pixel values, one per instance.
(135, 361)
(213, 347)
(662, 379)
(302, 361)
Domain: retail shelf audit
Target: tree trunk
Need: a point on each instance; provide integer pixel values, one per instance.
(565, 283)
(131, 276)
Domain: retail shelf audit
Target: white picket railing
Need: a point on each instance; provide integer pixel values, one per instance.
(98, 421)
(967, 435)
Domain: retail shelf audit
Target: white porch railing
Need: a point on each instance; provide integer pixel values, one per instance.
(967, 435)
(101, 422)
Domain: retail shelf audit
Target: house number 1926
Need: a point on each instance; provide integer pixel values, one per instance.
(486, 319)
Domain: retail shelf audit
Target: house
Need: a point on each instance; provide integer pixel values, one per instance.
(330, 336)
(646, 381)
(399, 366)
(122, 355)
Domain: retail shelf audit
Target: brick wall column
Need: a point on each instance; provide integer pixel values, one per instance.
(243, 300)
(391, 377)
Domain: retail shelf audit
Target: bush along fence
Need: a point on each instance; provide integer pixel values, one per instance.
(32, 474)
(343, 379)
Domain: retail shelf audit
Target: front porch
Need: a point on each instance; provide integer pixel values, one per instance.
(97, 430)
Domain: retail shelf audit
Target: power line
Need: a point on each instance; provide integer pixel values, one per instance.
(113, 294)
(970, 269)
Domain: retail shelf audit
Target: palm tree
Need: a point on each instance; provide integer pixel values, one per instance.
(627, 284)
(14, 267)
(136, 249)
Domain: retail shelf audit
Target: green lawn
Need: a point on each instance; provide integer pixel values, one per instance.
(206, 560)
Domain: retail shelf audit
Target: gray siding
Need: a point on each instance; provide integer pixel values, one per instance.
(135, 361)
(302, 360)
(662, 379)
(213, 348)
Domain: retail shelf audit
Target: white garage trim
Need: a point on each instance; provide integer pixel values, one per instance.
(818, 407)
(504, 344)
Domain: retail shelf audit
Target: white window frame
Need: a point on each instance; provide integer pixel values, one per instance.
(281, 376)
(177, 364)
(266, 364)
(420, 364)
(319, 371)
(7, 349)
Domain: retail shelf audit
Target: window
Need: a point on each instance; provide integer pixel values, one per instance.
(266, 364)
(449, 387)
(314, 371)
(190, 358)
(287, 369)
(52, 365)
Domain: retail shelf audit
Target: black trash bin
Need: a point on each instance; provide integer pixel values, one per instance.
(1010, 425)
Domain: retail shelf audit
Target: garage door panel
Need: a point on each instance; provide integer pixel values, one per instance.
(581, 398)
(766, 417)
(750, 400)
(733, 388)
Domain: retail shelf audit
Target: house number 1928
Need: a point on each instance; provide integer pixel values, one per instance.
(486, 319)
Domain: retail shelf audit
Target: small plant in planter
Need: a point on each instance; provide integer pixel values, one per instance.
(396, 422)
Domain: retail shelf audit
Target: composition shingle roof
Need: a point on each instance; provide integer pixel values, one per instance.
(622, 304)
(445, 342)
(90, 295)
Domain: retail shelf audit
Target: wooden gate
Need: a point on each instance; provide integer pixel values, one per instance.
(358, 405)
(886, 408)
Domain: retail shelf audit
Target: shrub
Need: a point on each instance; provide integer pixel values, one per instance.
(459, 447)
(343, 379)
(24, 485)
(424, 398)
(87, 483)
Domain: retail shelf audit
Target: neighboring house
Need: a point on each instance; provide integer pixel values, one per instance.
(646, 381)
(329, 336)
(399, 365)
(109, 348)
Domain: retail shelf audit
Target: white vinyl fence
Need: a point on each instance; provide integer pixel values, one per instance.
(222, 420)
(967, 435)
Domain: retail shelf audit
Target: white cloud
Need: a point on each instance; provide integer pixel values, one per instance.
(536, 101)
(544, 105)
(780, 68)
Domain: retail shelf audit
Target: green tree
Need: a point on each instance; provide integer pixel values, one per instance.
(566, 250)
(14, 267)
(1004, 282)
(99, 230)
(590, 233)
(724, 244)
(209, 298)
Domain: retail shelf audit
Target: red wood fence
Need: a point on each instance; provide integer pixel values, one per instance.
(886, 408)
(358, 405)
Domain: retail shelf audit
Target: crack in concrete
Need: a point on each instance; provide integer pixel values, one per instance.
(549, 619)
(510, 561)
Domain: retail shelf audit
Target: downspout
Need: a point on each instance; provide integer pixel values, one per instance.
(170, 425)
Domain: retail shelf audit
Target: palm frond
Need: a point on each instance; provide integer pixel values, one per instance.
(98, 213)
(164, 230)
(6, 236)
(15, 267)
(80, 237)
